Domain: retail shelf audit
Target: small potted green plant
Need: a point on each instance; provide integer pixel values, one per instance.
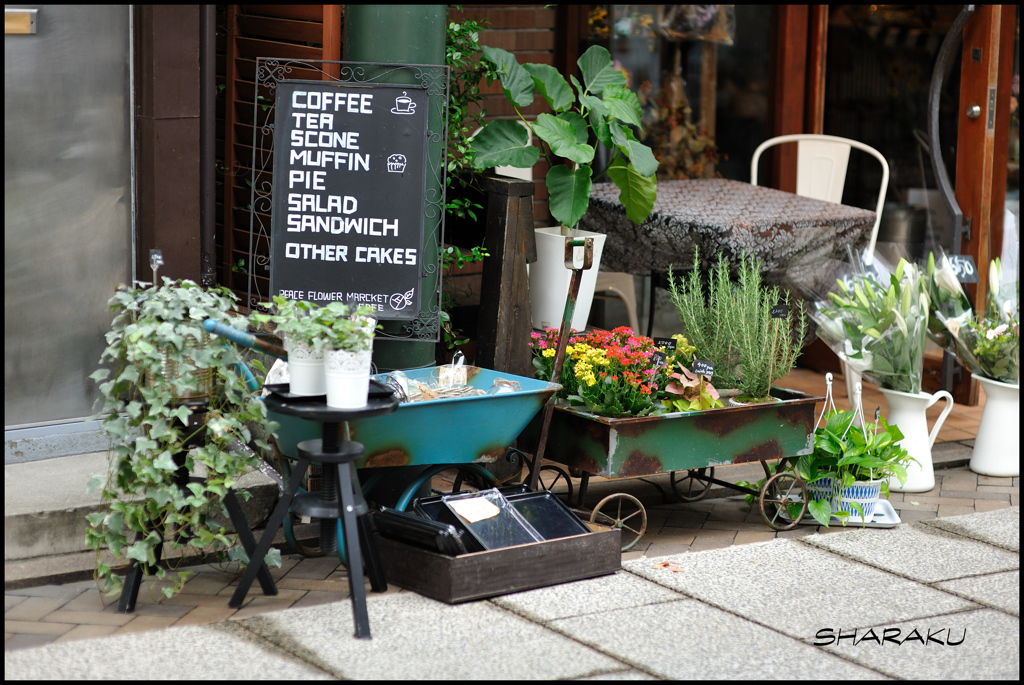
(764, 324)
(849, 469)
(349, 354)
(173, 403)
(306, 331)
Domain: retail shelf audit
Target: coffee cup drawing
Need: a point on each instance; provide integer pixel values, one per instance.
(404, 104)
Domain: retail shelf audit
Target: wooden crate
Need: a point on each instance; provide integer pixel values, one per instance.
(500, 571)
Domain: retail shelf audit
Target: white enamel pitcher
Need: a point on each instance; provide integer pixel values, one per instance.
(907, 411)
(997, 447)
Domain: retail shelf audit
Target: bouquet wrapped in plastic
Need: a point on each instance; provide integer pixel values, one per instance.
(989, 345)
(876, 319)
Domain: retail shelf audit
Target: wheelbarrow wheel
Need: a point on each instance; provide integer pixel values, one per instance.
(556, 476)
(621, 511)
(780, 498)
(690, 488)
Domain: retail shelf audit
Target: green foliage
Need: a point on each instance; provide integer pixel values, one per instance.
(298, 321)
(580, 121)
(709, 322)
(768, 349)
(454, 258)
(885, 326)
(157, 352)
(848, 454)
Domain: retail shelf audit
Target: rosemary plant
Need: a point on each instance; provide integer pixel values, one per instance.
(708, 322)
(765, 339)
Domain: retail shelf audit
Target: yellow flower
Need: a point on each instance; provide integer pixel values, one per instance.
(548, 353)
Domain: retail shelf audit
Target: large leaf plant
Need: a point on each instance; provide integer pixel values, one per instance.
(159, 367)
(599, 110)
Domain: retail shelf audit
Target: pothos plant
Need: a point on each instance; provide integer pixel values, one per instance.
(171, 400)
(299, 322)
(350, 329)
(599, 110)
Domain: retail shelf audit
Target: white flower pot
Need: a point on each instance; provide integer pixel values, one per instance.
(997, 447)
(348, 378)
(549, 279)
(907, 411)
(305, 369)
(864, 493)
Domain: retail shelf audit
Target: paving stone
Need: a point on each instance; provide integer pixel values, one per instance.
(1001, 528)
(164, 610)
(912, 515)
(208, 583)
(86, 632)
(141, 624)
(946, 510)
(90, 600)
(721, 649)
(340, 585)
(315, 568)
(686, 519)
(1000, 489)
(747, 537)
(418, 638)
(627, 674)
(987, 493)
(316, 598)
(990, 505)
(660, 549)
(263, 605)
(755, 526)
(34, 608)
(818, 588)
(11, 600)
(919, 551)
(37, 627)
(205, 615)
(92, 617)
(990, 649)
(27, 640)
(607, 593)
(54, 591)
(705, 543)
(999, 590)
(208, 650)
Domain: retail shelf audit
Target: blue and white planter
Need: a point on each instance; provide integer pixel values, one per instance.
(864, 493)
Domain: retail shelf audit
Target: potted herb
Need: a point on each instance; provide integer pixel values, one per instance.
(764, 322)
(306, 331)
(349, 354)
(600, 110)
(172, 402)
(850, 467)
(709, 321)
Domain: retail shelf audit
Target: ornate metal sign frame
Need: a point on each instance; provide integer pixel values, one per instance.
(435, 80)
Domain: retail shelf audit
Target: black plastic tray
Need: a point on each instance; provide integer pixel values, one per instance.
(548, 515)
(430, 507)
(508, 528)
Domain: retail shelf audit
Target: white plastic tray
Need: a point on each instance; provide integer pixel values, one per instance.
(884, 517)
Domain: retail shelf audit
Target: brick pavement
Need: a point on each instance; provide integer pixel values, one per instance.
(77, 611)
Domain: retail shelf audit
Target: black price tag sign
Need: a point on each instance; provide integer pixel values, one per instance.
(704, 368)
(780, 311)
(963, 266)
(668, 343)
(660, 359)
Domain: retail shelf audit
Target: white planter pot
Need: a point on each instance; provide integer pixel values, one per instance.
(549, 279)
(907, 411)
(997, 447)
(864, 493)
(348, 378)
(305, 369)
(852, 378)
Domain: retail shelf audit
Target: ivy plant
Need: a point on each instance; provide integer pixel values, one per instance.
(599, 110)
(171, 399)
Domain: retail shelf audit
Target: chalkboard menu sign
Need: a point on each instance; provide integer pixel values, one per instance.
(348, 203)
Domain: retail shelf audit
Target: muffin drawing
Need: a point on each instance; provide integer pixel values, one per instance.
(396, 163)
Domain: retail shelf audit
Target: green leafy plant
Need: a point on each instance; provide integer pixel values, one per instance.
(600, 110)
(709, 322)
(454, 258)
(160, 366)
(768, 349)
(298, 321)
(881, 328)
(690, 391)
(847, 454)
(351, 329)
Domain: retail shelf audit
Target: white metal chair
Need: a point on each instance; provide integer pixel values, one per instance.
(821, 171)
(821, 175)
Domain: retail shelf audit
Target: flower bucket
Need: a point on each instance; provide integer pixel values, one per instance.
(173, 371)
(305, 369)
(347, 376)
(549, 279)
(864, 493)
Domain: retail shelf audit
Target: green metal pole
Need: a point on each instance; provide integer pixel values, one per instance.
(403, 34)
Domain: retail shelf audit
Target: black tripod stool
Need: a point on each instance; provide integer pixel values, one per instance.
(340, 499)
(133, 581)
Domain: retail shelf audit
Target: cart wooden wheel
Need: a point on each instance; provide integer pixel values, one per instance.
(621, 511)
(780, 492)
(689, 488)
(554, 477)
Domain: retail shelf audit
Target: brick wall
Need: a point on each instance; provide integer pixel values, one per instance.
(527, 31)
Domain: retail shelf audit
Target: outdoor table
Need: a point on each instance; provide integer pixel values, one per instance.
(340, 497)
(798, 240)
(781, 229)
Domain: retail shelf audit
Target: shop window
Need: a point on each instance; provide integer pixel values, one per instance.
(701, 74)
